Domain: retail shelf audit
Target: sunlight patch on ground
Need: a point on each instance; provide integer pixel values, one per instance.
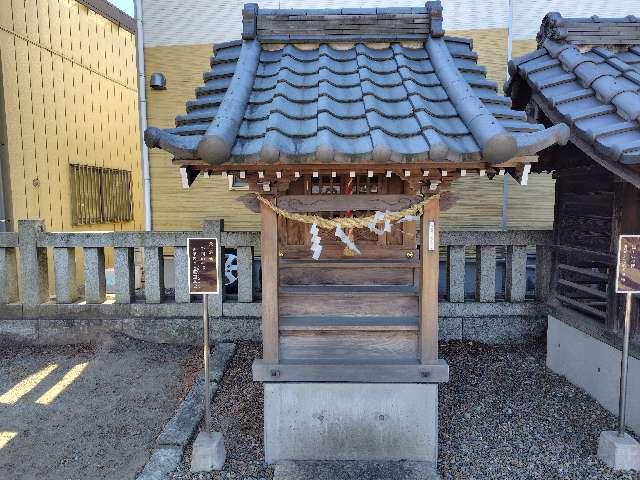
(6, 437)
(51, 394)
(26, 385)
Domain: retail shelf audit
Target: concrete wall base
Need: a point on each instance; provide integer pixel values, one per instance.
(350, 421)
(593, 366)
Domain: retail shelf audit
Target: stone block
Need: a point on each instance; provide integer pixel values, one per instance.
(34, 267)
(619, 453)
(350, 421)
(486, 273)
(64, 266)
(181, 281)
(8, 276)
(455, 273)
(125, 274)
(14, 332)
(95, 282)
(162, 463)
(208, 452)
(503, 330)
(516, 273)
(153, 275)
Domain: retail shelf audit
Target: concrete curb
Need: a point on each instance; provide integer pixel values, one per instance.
(180, 429)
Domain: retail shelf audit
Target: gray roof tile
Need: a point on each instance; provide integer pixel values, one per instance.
(595, 89)
(361, 103)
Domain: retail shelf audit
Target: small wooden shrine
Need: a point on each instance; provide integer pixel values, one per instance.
(349, 123)
(586, 74)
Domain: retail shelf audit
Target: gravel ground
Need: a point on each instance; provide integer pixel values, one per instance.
(103, 425)
(503, 415)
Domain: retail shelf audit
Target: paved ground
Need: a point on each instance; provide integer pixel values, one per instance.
(103, 424)
(502, 416)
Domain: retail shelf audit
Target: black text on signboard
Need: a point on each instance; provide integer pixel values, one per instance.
(203, 265)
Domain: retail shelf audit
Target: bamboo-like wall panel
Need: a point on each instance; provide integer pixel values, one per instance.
(70, 96)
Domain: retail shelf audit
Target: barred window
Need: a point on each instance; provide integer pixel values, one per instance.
(100, 195)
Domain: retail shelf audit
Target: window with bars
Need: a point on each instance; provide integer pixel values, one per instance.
(100, 195)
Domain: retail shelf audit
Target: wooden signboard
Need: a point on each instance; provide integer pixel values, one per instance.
(628, 271)
(203, 266)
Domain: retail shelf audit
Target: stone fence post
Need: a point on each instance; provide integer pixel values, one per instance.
(34, 280)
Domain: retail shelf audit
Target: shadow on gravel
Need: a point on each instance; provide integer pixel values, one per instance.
(78, 412)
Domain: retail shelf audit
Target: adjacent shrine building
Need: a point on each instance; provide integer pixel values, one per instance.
(586, 73)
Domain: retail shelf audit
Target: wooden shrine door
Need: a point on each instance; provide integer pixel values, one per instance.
(379, 307)
(294, 238)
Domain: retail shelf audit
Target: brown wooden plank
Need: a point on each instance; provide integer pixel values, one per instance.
(583, 271)
(437, 372)
(269, 251)
(345, 276)
(583, 288)
(429, 260)
(341, 203)
(349, 346)
(582, 306)
(360, 324)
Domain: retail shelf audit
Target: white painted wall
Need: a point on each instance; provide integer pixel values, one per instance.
(593, 366)
(527, 14)
(190, 22)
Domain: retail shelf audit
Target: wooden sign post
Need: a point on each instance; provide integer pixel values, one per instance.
(627, 282)
(204, 279)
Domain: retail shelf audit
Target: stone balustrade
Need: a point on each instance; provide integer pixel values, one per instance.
(79, 309)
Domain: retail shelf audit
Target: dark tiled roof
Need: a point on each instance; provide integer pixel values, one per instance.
(590, 31)
(595, 90)
(264, 103)
(111, 12)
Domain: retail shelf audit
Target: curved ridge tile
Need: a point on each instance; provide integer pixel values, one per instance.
(216, 144)
(182, 147)
(532, 143)
(496, 143)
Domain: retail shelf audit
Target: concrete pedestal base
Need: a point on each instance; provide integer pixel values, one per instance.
(350, 421)
(620, 453)
(208, 452)
(355, 470)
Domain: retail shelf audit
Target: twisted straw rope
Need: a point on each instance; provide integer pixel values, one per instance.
(345, 222)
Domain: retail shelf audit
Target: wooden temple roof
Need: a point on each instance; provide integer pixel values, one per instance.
(350, 86)
(586, 73)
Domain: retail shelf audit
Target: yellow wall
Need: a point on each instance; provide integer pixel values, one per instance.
(479, 200)
(173, 207)
(70, 96)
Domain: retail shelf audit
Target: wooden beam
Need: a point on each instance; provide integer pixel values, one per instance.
(269, 251)
(429, 262)
(340, 203)
(436, 372)
(581, 306)
(593, 292)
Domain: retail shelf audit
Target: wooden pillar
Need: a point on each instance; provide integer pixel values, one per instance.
(429, 264)
(269, 249)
